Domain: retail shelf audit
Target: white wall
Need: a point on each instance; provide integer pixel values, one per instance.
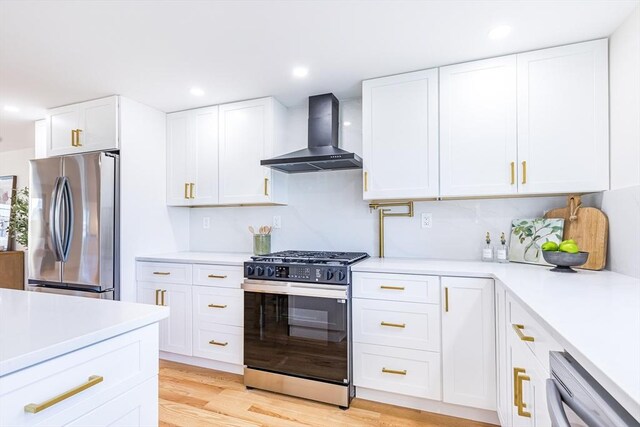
(16, 162)
(326, 212)
(147, 224)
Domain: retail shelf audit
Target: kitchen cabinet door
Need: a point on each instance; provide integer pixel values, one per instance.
(248, 132)
(178, 338)
(468, 342)
(61, 123)
(503, 390)
(204, 157)
(149, 293)
(478, 146)
(563, 131)
(400, 136)
(40, 128)
(179, 135)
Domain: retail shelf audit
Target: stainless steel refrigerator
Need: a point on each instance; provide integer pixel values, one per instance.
(73, 225)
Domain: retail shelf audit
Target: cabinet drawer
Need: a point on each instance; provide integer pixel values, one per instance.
(163, 272)
(522, 328)
(122, 363)
(218, 342)
(397, 287)
(397, 324)
(218, 275)
(218, 305)
(395, 370)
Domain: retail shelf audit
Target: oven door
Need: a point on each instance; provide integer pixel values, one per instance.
(297, 329)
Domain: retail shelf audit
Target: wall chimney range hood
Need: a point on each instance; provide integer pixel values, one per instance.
(322, 152)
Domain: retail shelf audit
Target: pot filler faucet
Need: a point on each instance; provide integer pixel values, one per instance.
(385, 211)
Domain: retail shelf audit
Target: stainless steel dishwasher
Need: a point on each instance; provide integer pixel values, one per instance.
(572, 389)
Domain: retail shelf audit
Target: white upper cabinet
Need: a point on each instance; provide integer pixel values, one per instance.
(400, 136)
(87, 126)
(192, 157)
(478, 128)
(468, 342)
(249, 130)
(563, 130)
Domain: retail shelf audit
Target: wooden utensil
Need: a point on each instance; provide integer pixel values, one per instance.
(589, 227)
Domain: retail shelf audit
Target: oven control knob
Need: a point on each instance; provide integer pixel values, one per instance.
(270, 271)
(259, 271)
(329, 275)
(250, 270)
(341, 276)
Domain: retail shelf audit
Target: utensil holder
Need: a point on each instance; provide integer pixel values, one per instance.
(261, 244)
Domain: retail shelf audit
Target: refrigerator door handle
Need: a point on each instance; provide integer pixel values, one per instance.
(67, 198)
(54, 219)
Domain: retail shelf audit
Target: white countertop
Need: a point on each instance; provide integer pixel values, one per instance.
(595, 315)
(219, 258)
(36, 326)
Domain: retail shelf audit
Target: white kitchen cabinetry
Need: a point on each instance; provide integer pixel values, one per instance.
(87, 126)
(249, 132)
(400, 136)
(468, 342)
(192, 157)
(478, 147)
(563, 119)
(504, 395)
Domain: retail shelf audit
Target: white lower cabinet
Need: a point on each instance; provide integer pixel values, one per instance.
(218, 342)
(397, 370)
(468, 342)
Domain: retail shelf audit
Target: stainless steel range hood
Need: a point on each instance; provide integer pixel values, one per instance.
(322, 153)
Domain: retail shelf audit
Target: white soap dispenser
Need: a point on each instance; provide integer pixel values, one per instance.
(502, 252)
(487, 251)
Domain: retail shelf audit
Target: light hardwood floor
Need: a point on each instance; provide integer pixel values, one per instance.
(192, 397)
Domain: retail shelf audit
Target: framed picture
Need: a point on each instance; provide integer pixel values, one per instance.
(7, 190)
(528, 235)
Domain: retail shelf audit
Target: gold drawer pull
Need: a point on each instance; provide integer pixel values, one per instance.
(221, 344)
(366, 181)
(162, 294)
(73, 138)
(217, 276)
(446, 299)
(78, 137)
(217, 306)
(393, 325)
(524, 172)
(520, 403)
(161, 273)
(394, 371)
(519, 328)
(34, 408)
(158, 296)
(516, 395)
(186, 190)
(266, 187)
(393, 288)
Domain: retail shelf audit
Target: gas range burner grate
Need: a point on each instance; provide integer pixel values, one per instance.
(312, 257)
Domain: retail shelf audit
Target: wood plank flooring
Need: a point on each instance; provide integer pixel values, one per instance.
(191, 397)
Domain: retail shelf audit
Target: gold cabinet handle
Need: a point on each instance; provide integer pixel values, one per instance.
(157, 296)
(73, 137)
(217, 276)
(393, 325)
(446, 299)
(513, 173)
(162, 294)
(192, 185)
(524, 172)
(516, 394)
(161, 273)
(217, 306)
(520, 378)
(266, 186)
(34, 408)
(221, 344)
(366, 181)
(78, 137)
(186, 190)
(519, 328)
(394, 371)
(393, 288)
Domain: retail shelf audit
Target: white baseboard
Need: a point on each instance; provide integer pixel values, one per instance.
(203, 363)
(428, 405)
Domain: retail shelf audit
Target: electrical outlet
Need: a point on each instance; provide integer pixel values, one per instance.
(206, 222)
(427, 220)
(277, 221)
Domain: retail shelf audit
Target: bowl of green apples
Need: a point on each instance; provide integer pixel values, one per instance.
(565, 255)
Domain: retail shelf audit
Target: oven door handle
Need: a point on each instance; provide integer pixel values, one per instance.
(554, 404)
(296, 289)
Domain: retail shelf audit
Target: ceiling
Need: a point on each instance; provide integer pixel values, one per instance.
(59, 52)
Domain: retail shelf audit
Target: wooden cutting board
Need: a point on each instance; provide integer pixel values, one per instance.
(589, 227)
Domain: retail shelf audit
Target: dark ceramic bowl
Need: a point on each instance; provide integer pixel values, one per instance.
(564, 260)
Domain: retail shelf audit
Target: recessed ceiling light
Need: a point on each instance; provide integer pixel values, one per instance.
(346, 124)
(196, 91)
(300, 72)
(11, 108)
(499, 32)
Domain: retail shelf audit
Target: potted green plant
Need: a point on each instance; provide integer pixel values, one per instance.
(19, 218)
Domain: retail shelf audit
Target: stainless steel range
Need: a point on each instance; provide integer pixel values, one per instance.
(297, 322)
